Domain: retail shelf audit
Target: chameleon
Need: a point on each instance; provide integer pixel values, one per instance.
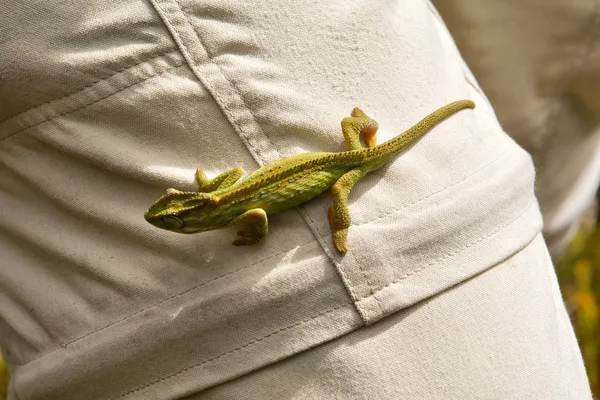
(227, 200)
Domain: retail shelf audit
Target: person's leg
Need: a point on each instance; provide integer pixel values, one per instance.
(113, 102)
(503, 334)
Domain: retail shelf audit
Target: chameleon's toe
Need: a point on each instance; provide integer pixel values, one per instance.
(245, 241)
(246, 237)
(339, 233)
(357, 112)
(245, 233)
(339, 240)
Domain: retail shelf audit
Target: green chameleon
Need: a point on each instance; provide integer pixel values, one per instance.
(227, 200)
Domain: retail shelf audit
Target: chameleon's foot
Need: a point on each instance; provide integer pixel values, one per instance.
(224, 180)
(256, 224)
(340, 234)
(357, 126)
(339, 215)
(339, 240)
(246, 238)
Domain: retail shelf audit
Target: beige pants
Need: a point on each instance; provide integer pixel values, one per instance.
(447, 290)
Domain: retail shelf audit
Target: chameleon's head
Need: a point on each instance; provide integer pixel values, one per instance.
(183, 212)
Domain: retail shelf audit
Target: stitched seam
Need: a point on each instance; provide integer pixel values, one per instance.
(190, 289)
(223, 104)
(239, 126)
(252, 342)
(360, 308)
(92, 103)
(347, 282)
(397, 280)
(373, 292)
(371, 287)
(208, 84)
(63, 345)
(404, 206)
(89, 85)
(345, 278)
(236, 90)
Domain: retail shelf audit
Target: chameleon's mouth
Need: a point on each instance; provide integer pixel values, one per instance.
(148, 217)
(153, 219)
(172, 222)
(163, 222)
(169, 222)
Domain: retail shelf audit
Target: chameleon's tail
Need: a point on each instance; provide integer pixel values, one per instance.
(420, 128)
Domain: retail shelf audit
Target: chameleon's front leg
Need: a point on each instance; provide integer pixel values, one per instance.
(359, 124)
(339, 215)
(257, 227)
(221, 181)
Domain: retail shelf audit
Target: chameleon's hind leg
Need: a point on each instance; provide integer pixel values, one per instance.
(221, 181)
(339, 215)
(256, 229)
(359, 124)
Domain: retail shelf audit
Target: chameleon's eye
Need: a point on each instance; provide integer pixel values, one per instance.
(172, 222)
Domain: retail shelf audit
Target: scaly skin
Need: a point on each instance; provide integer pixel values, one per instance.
(228, 200)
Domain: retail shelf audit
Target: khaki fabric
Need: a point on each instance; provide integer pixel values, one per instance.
(107, 103)
(436, 350)
(539, 63)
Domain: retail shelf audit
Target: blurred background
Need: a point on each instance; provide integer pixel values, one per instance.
(579, 277)
(538, 62)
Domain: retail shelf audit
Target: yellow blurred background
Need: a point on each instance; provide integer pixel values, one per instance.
(3, 379)
(579, 276)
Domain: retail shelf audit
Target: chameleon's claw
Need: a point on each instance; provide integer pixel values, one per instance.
(339, 234)
(357, 112)
(339, 239)
(255, 221)
(245, 241)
